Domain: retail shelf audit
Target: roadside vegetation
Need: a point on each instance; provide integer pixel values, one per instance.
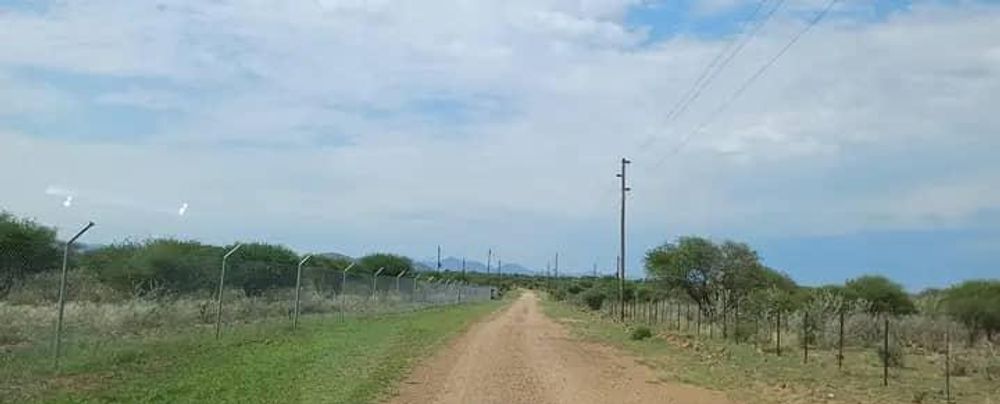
(356, 360)
(725, 320)
(140, 321)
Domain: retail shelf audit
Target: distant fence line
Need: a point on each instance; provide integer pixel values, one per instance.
(826, 335)
(96, 313)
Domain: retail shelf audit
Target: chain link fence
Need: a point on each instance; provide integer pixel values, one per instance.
(98, 313)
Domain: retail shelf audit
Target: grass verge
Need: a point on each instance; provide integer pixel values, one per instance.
(325, 360)
(749, 374)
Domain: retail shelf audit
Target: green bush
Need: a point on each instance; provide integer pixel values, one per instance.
(882, 295)
(25, 248)
(976, 304)
(163, 265)
(593, 299)
(640, 333)
(393, 264)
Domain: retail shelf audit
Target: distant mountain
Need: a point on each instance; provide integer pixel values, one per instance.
(455, 264)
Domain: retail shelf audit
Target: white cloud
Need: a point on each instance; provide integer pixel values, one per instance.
(300, 117)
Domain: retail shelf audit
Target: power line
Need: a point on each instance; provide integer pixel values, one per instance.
(749, 81)
(719, 63)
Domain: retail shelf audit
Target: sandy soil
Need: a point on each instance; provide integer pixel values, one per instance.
(522, 356)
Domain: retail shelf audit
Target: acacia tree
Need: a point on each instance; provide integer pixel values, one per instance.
(976, 304)
(692, 265)
(25, 248)
(393, 264)
(880, 295)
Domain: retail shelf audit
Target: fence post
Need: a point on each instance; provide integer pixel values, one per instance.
(779, 332)
(343, 291)
(840, 343)
(805, 337)
(375, 283)
(298, 290)
(62, 293)
(885, 352)
(736, 326)
(947, 363)
(414, 288)
(222, 281)
(698, 330)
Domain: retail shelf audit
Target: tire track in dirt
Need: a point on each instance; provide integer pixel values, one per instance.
(522, 356)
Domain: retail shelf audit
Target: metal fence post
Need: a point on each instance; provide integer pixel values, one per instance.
(779, 332)
(222, 282)
(840, 343)
(805, 337)
(375, 282)
(397, 281)
(885, 353)
(62, 293)
(343, 290)
(947, 364)
(298, 291)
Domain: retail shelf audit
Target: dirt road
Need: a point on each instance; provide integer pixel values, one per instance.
(523, 356)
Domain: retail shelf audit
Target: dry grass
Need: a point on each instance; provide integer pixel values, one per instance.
(752, 372)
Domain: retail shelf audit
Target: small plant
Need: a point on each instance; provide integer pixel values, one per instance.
(640, 333)
(895, 356)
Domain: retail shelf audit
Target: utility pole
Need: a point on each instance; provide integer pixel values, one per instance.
(439, 258)
(621, 256)
(489, 257)
(557, 265)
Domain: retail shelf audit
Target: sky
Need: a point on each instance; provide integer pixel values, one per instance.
(868, 145)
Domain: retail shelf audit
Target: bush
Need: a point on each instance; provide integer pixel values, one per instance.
(895, 353)
(882, 295)
(25, 248)
(593, 299)
(640, 333)
(156, 265)
(393, 264)
(976, 304)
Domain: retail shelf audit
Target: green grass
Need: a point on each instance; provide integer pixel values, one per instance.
(750, 374)
(325, 360)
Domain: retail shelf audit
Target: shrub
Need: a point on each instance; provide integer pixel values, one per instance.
(25, 248)
(895, 353)
(593, 299)
(156, 265)
(574, 289)
(640, 333)
(976, 304)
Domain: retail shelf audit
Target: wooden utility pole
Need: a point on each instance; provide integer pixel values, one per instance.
(621, 253)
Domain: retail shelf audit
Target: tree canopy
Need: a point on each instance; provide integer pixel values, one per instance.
(25, 248)
(881, 295)
(708, 272)
(393, 264)
(976, 304)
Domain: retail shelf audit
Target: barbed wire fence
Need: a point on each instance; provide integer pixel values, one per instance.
(833, 335)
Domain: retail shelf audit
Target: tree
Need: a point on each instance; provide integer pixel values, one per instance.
(25, 248)
(167, 265)
(258, 267)
(976, 304)
(393, 264)
(326, 273)
(881, 295)
(691, 265)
